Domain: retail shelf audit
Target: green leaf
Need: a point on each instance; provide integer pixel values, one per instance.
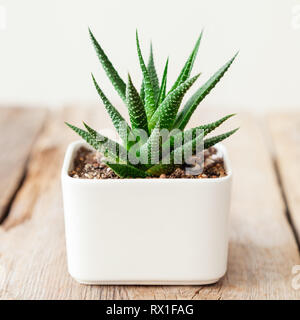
(166, 112)
(212, 126)
(111, 72)
(187, 68)
(163, 86)
(153, 74)
(136, 108)
(142, 92)
(191, 105)
(159, 169)
(111, 146)
(110, 149)
(84, 135)
(212, 141)
(127, 171)
(153, 78)
(119, 122)
(149, 91)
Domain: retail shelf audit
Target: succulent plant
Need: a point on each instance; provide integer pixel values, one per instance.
(152, 110)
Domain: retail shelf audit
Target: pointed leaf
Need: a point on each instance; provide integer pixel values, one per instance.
(149, 92)
(191, 105)
(166, 112)
(84, 135)
(153, 78)
(110, 149)
(111, 72)
(111, 146)
(163, 86)
(153, 74)
(136, 108)
(212, 126)
(127, 171)
(194, 132)
(119, 122)
(212, 141)
(187, 68)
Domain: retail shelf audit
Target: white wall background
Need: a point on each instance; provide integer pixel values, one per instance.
(46, 56)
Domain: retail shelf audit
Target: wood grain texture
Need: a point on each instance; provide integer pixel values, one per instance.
(262, 247)
(285, 134)
(18, 130)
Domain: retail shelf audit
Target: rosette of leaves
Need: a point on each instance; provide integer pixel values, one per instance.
(151, 110)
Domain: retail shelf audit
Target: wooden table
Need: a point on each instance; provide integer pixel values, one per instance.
(264, 223)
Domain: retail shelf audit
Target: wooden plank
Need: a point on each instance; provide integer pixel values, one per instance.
(262, 247)
(18, 131)
(285, 134)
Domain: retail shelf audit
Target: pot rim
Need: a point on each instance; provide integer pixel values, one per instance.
(73, 146)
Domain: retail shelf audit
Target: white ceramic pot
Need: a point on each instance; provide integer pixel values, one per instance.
(146, 231)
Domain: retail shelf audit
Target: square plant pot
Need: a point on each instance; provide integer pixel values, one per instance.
(146, 231)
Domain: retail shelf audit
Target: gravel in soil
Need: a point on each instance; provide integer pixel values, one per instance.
(89, 165)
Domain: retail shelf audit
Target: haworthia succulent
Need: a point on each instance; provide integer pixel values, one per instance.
(136, 108)
(156, 113)
(163, 86)
(111, 72)
(119, 122)
(191, 105)
(213, 140)
(149, 100)
(127, 171)
(166, 112)
(187, 68)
